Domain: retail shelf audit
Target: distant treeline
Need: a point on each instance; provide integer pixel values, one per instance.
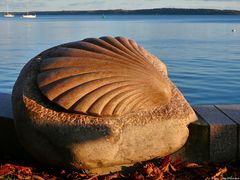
(159, 11)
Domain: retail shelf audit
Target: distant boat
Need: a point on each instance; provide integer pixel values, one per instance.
(31, 16)
(8, 14)
(28, 15)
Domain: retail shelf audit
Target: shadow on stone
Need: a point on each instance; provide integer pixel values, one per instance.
(10, 146)
(74, 133)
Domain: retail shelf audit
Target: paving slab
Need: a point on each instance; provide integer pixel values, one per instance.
(233, 112)
(223, 145)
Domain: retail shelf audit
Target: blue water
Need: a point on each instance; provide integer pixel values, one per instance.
(201, 52)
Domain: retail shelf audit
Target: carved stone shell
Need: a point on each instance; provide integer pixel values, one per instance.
(103, 77)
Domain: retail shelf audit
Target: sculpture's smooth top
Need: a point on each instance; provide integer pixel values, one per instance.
(103, 76)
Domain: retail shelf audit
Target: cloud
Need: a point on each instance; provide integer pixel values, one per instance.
(223, 0)
(51, 5)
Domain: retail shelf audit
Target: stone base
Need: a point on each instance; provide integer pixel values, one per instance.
(214, 137)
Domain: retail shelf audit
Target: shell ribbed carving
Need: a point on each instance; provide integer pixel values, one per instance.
(103, 76)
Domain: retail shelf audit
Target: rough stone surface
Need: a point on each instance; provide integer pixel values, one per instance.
(58, 134)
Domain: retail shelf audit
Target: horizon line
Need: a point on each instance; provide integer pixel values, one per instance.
(92, 10)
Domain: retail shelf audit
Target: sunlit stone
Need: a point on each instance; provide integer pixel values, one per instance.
(99, 104)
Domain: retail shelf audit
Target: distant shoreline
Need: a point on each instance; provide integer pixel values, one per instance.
(158, 11)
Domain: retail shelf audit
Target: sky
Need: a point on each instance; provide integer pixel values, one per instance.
(55, 5)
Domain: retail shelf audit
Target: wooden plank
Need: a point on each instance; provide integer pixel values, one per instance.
(233, 112)
(223, 133)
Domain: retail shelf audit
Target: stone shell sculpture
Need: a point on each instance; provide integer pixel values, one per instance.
(99, 104)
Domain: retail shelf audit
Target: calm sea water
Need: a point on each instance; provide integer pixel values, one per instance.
(201, 52)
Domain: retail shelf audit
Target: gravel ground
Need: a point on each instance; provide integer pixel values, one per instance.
(154, 169)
